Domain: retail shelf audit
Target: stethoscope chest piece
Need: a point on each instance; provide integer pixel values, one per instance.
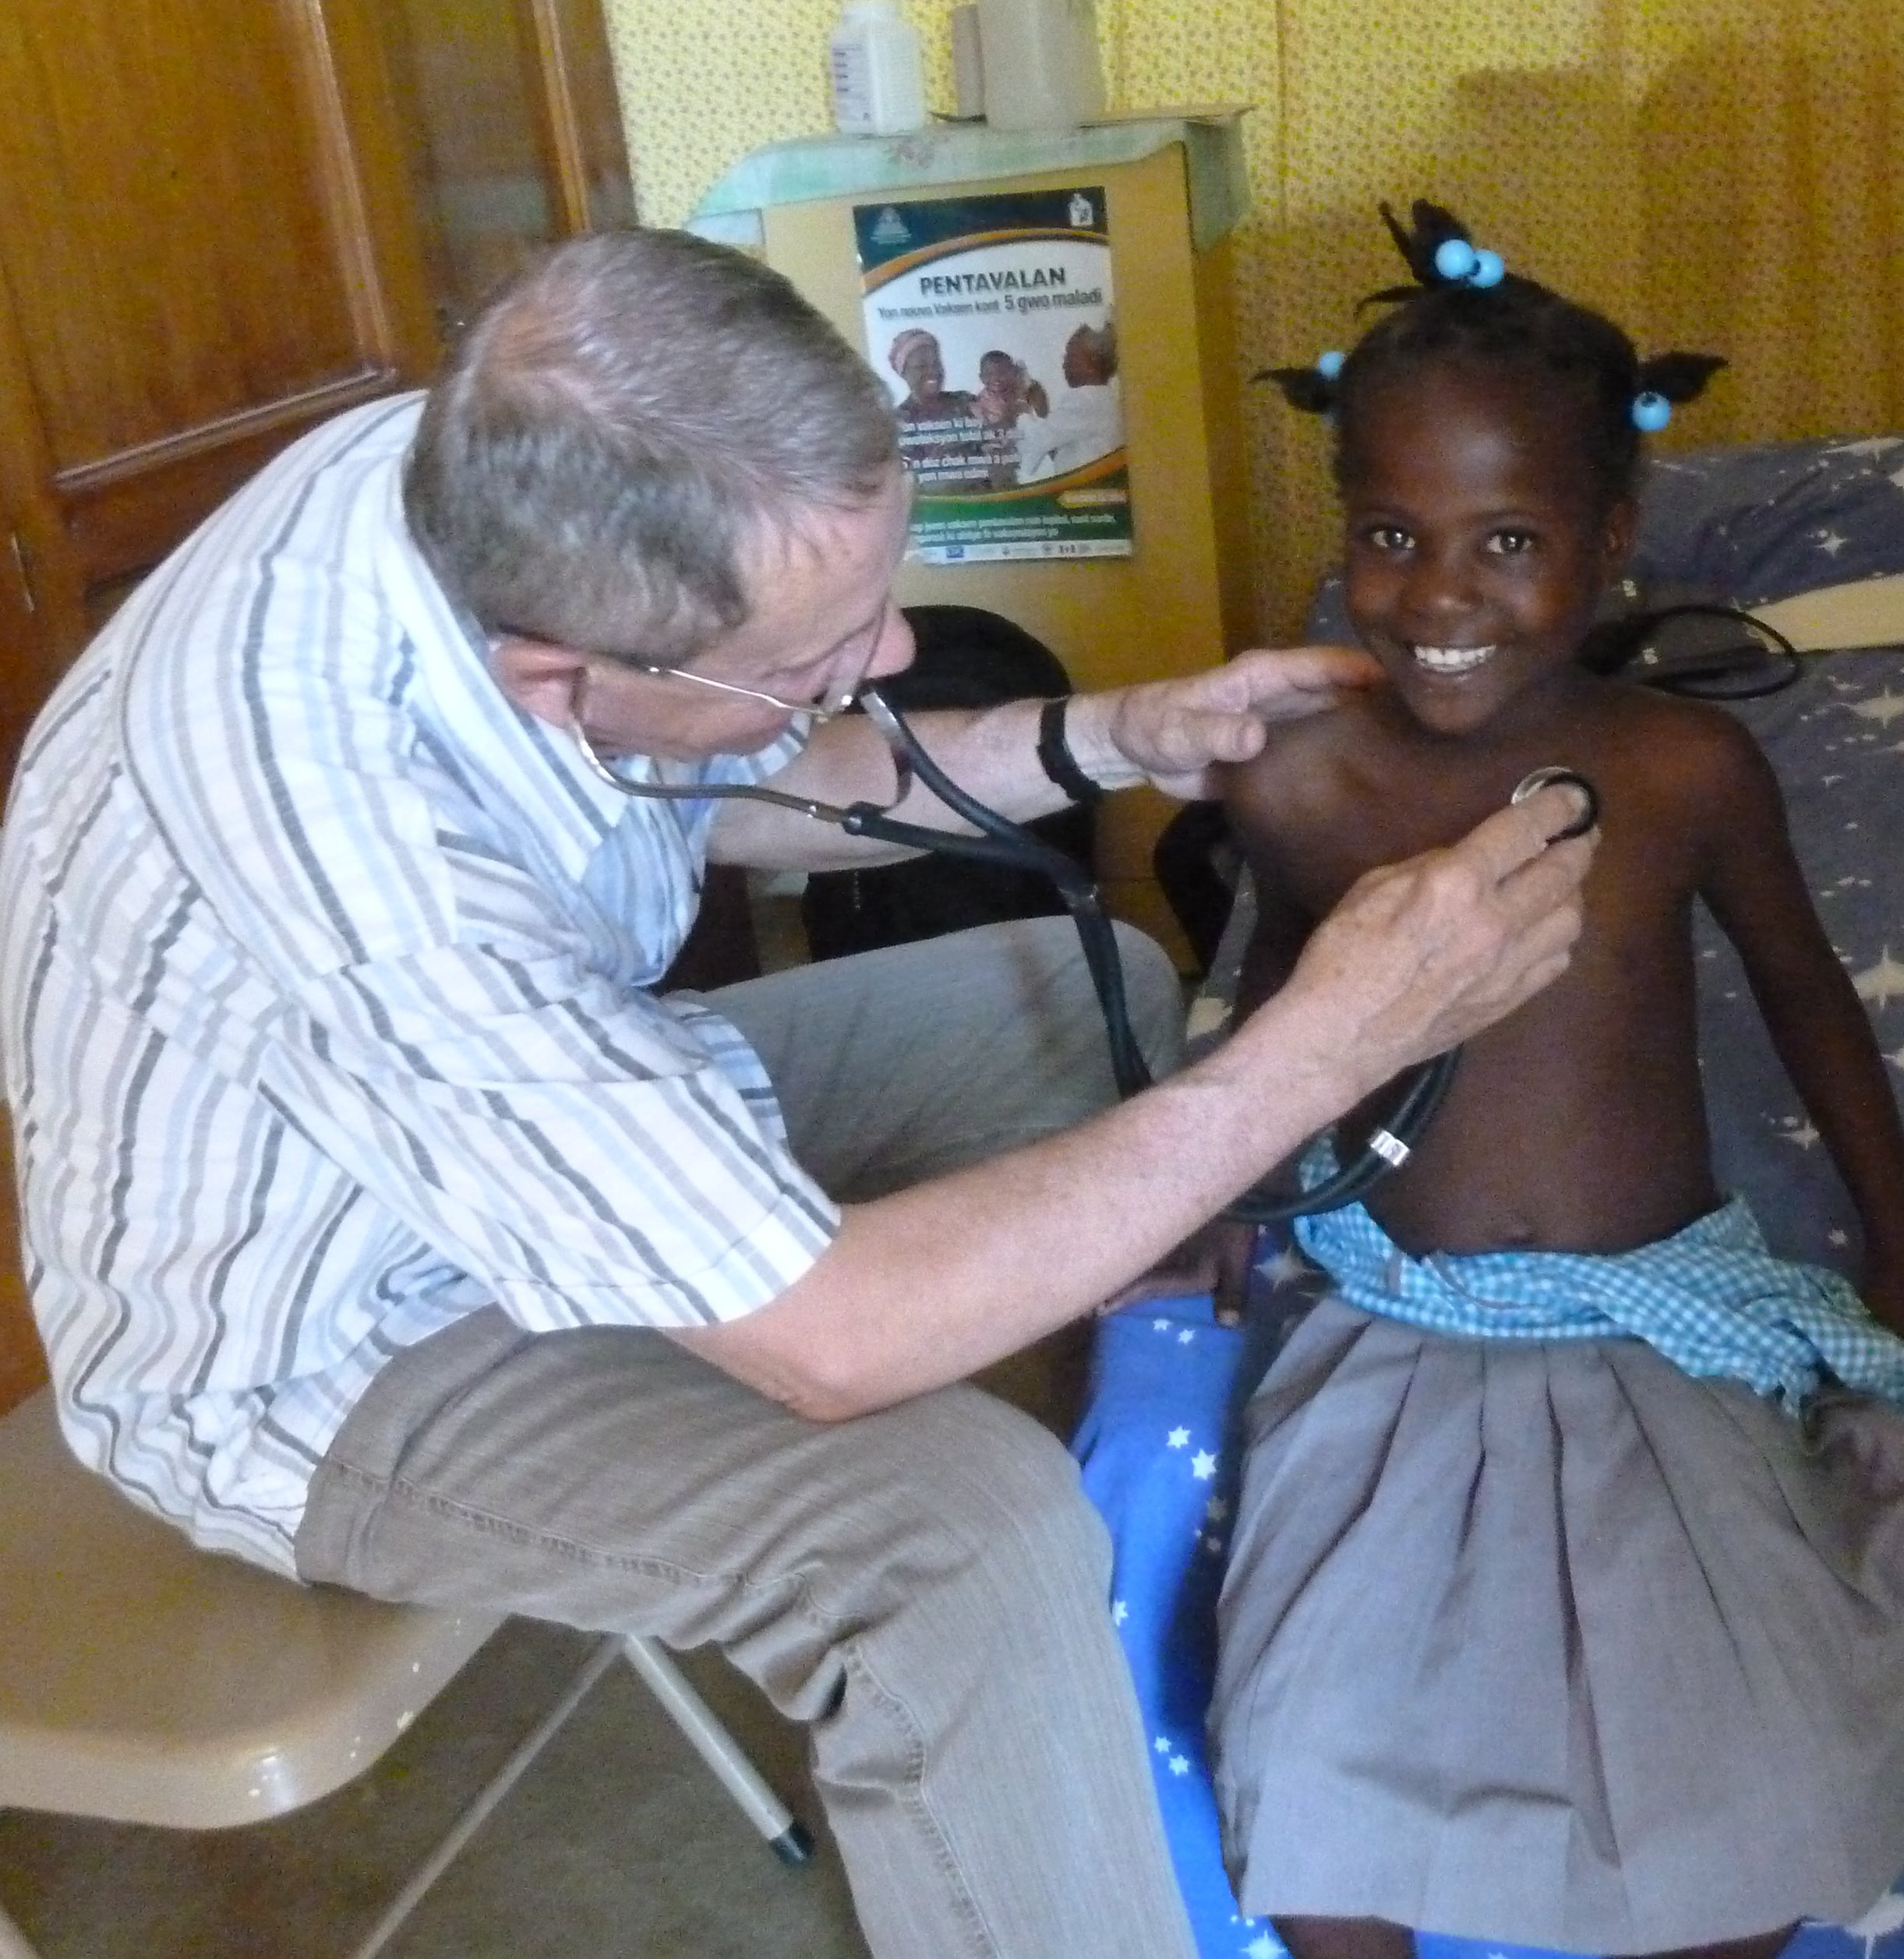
(1536, 780)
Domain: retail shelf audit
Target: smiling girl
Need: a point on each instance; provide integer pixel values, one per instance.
(1566, 1605)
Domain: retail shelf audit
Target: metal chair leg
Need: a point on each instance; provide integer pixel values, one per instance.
(601, 1657)
(787, 1839)
(691, 1713)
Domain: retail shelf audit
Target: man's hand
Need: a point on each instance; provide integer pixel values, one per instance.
(1419, 955)
(1170, 732)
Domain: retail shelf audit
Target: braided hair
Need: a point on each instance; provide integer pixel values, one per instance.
(1464, 310)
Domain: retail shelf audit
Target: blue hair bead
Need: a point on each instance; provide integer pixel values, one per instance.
(1329, 365)
(1455, 260)
(1489, 270)
(1651, 411)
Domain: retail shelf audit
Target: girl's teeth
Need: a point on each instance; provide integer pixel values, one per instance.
(1451, 659)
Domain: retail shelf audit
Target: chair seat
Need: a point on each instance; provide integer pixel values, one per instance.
(145, 1680)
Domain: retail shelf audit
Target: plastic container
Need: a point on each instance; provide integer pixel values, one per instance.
(968, 65)
(1043, 69)
(879, 86)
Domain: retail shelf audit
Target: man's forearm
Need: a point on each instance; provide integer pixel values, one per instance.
(926, 1286)
(990, 753)
(922, 1287)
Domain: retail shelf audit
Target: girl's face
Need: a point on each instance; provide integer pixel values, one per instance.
(1475, 555)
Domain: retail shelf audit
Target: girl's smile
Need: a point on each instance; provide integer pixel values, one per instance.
(1476, 557)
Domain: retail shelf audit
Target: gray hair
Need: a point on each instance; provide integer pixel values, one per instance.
(618, 425)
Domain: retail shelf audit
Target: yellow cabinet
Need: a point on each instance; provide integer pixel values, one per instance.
(1182, 600)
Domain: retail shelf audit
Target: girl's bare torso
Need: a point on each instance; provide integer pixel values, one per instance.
(1577, 1124)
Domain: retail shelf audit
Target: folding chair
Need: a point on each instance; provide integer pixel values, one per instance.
(144, 1681)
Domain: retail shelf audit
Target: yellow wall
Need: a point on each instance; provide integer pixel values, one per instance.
(1720, 174)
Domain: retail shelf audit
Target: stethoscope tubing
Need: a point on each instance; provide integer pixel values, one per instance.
(1002, 842)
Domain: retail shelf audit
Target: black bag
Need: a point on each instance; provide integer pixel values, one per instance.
(1686, 640)
(967, 658)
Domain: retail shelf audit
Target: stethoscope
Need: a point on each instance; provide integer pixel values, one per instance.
(1421, 1091)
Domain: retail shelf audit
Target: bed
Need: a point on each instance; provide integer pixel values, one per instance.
(1765, 525)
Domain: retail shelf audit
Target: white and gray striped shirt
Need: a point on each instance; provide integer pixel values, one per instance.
(324, 1011)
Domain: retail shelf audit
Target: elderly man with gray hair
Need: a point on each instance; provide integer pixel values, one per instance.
(385, 1228)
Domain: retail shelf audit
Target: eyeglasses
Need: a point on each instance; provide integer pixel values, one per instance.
(836, 703)
(897, 738)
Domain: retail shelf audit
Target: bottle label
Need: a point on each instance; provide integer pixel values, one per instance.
(853, 88)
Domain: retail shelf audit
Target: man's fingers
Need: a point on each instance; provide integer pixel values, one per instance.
(1458, 937)
(1533, 889)
(1273, 682)
(1523, 831)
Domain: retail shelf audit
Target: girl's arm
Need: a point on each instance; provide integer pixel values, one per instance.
(1817, 1023)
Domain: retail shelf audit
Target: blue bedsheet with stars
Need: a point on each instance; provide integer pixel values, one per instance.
(1155, 1445)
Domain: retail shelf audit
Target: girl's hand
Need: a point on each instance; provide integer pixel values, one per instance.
(1214, 1260)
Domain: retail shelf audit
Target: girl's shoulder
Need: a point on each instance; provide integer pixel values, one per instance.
(1689, 728)
(1301, 758)
(1691, 753)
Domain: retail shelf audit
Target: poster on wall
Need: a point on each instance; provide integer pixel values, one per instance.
(991, 321)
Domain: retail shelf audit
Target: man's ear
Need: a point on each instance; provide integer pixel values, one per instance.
(539, 678)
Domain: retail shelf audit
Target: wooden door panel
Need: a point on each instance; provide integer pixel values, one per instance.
(42, 610)
(165, 228)
(514, 131)
(22, 1360)
(207, 244)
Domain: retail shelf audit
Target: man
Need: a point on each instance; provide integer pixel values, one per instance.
(1086, 421)
(385, 1229)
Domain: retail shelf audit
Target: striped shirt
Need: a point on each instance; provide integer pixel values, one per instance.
(326, 1019)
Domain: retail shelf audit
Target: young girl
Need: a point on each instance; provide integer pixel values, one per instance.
(1565, 1605)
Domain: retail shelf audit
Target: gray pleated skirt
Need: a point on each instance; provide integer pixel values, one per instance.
(1552, 1644)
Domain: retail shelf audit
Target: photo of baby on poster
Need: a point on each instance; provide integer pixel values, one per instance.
(991, 320)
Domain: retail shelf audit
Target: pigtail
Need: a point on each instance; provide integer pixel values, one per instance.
(1309, 389)
(1437, 251)
(1464, 307)
(1434, 227)
(1678, 376)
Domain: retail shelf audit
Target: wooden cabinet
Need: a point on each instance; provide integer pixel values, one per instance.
(223, 221)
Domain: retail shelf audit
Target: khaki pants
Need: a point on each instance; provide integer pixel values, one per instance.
(925, 1587)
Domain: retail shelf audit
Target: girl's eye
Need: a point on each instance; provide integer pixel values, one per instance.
(1387, 536)
(1511, 544)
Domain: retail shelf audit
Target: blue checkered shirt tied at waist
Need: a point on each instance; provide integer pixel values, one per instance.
(1711, 1298)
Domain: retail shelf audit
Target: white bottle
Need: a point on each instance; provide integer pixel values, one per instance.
(879, 87)
(1042, 70)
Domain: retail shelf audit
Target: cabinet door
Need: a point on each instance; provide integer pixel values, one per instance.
(42, 614)
(514, 128)
(207, 242)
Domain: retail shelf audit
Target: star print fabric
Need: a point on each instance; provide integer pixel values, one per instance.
(1157, 1462)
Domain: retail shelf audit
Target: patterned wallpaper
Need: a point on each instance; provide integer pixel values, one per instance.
(1714, 173)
